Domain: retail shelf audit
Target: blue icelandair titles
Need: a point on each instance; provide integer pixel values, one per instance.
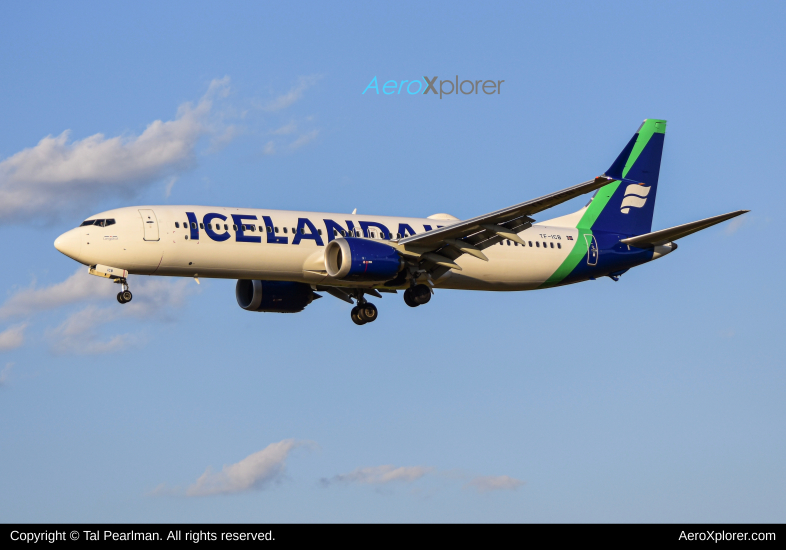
(353, 257)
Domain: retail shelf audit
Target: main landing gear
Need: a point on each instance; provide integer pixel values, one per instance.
(124, 296)
(364, 313)
(417, 295)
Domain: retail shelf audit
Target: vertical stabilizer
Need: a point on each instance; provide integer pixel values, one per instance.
(626, 205)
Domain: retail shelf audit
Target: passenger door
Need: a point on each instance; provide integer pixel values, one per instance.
(150, 223)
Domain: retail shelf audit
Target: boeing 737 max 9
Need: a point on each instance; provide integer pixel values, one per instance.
(283, 259)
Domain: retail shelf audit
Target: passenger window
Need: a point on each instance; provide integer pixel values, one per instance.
(508, 243)
(243, 227)
(552, 244)
(371, 234)
(201, 226)
(294, 230)
(530, 244)
(302, 230)
(343, 233)
(234, 227)
(537, 244)
(225, 227)
(177, 225)
(252, 228)
(559, 245)
(269, 229)
(319, 231)
(193, 225)
(209, 226)
(276, 229)
(285, 230)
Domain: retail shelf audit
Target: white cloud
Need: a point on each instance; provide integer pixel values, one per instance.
(5, 373)
(304, 139)
(285, 130)
(150, 293)
(61, 175)
(253, 472)
(485, 484)
(735, 224)
(294, 94)
(381, 474)
(12, 337)
(80, 333)
(169, 185)
(221, 140)
(269, 148)
(77, 288)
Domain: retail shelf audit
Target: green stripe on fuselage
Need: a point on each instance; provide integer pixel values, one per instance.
(579, 251)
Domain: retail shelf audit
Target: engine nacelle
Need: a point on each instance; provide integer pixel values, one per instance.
(361, 260)
(273, 296)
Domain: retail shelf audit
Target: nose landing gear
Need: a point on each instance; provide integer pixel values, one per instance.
(124, 296)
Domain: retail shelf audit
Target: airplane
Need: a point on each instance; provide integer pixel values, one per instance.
(283, 260)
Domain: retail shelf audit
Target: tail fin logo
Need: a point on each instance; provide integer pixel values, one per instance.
(635, 197)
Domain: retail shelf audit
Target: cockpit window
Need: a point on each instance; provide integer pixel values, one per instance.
(99, 223)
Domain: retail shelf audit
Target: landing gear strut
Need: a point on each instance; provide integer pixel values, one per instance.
(124, 296)
(417, 295)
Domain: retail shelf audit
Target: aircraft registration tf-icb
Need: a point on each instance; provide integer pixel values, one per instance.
(282, 259)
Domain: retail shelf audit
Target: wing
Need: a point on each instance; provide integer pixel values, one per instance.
(438, 249)
(348, 293)
(664, 236)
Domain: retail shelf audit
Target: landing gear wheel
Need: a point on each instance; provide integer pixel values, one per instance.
(421, 294)
(120, 298)
(409, 299)
(355, 318)
(368, 312)
(127, 296)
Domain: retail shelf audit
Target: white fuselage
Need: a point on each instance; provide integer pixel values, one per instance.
(164, 244)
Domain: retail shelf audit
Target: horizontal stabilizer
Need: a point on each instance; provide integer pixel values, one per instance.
(664, 236)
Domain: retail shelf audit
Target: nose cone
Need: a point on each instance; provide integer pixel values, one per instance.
(70, 244)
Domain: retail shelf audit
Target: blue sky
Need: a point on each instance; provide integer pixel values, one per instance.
(656, 398)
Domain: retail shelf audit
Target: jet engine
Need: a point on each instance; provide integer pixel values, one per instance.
(273, 296)
(361, 260)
